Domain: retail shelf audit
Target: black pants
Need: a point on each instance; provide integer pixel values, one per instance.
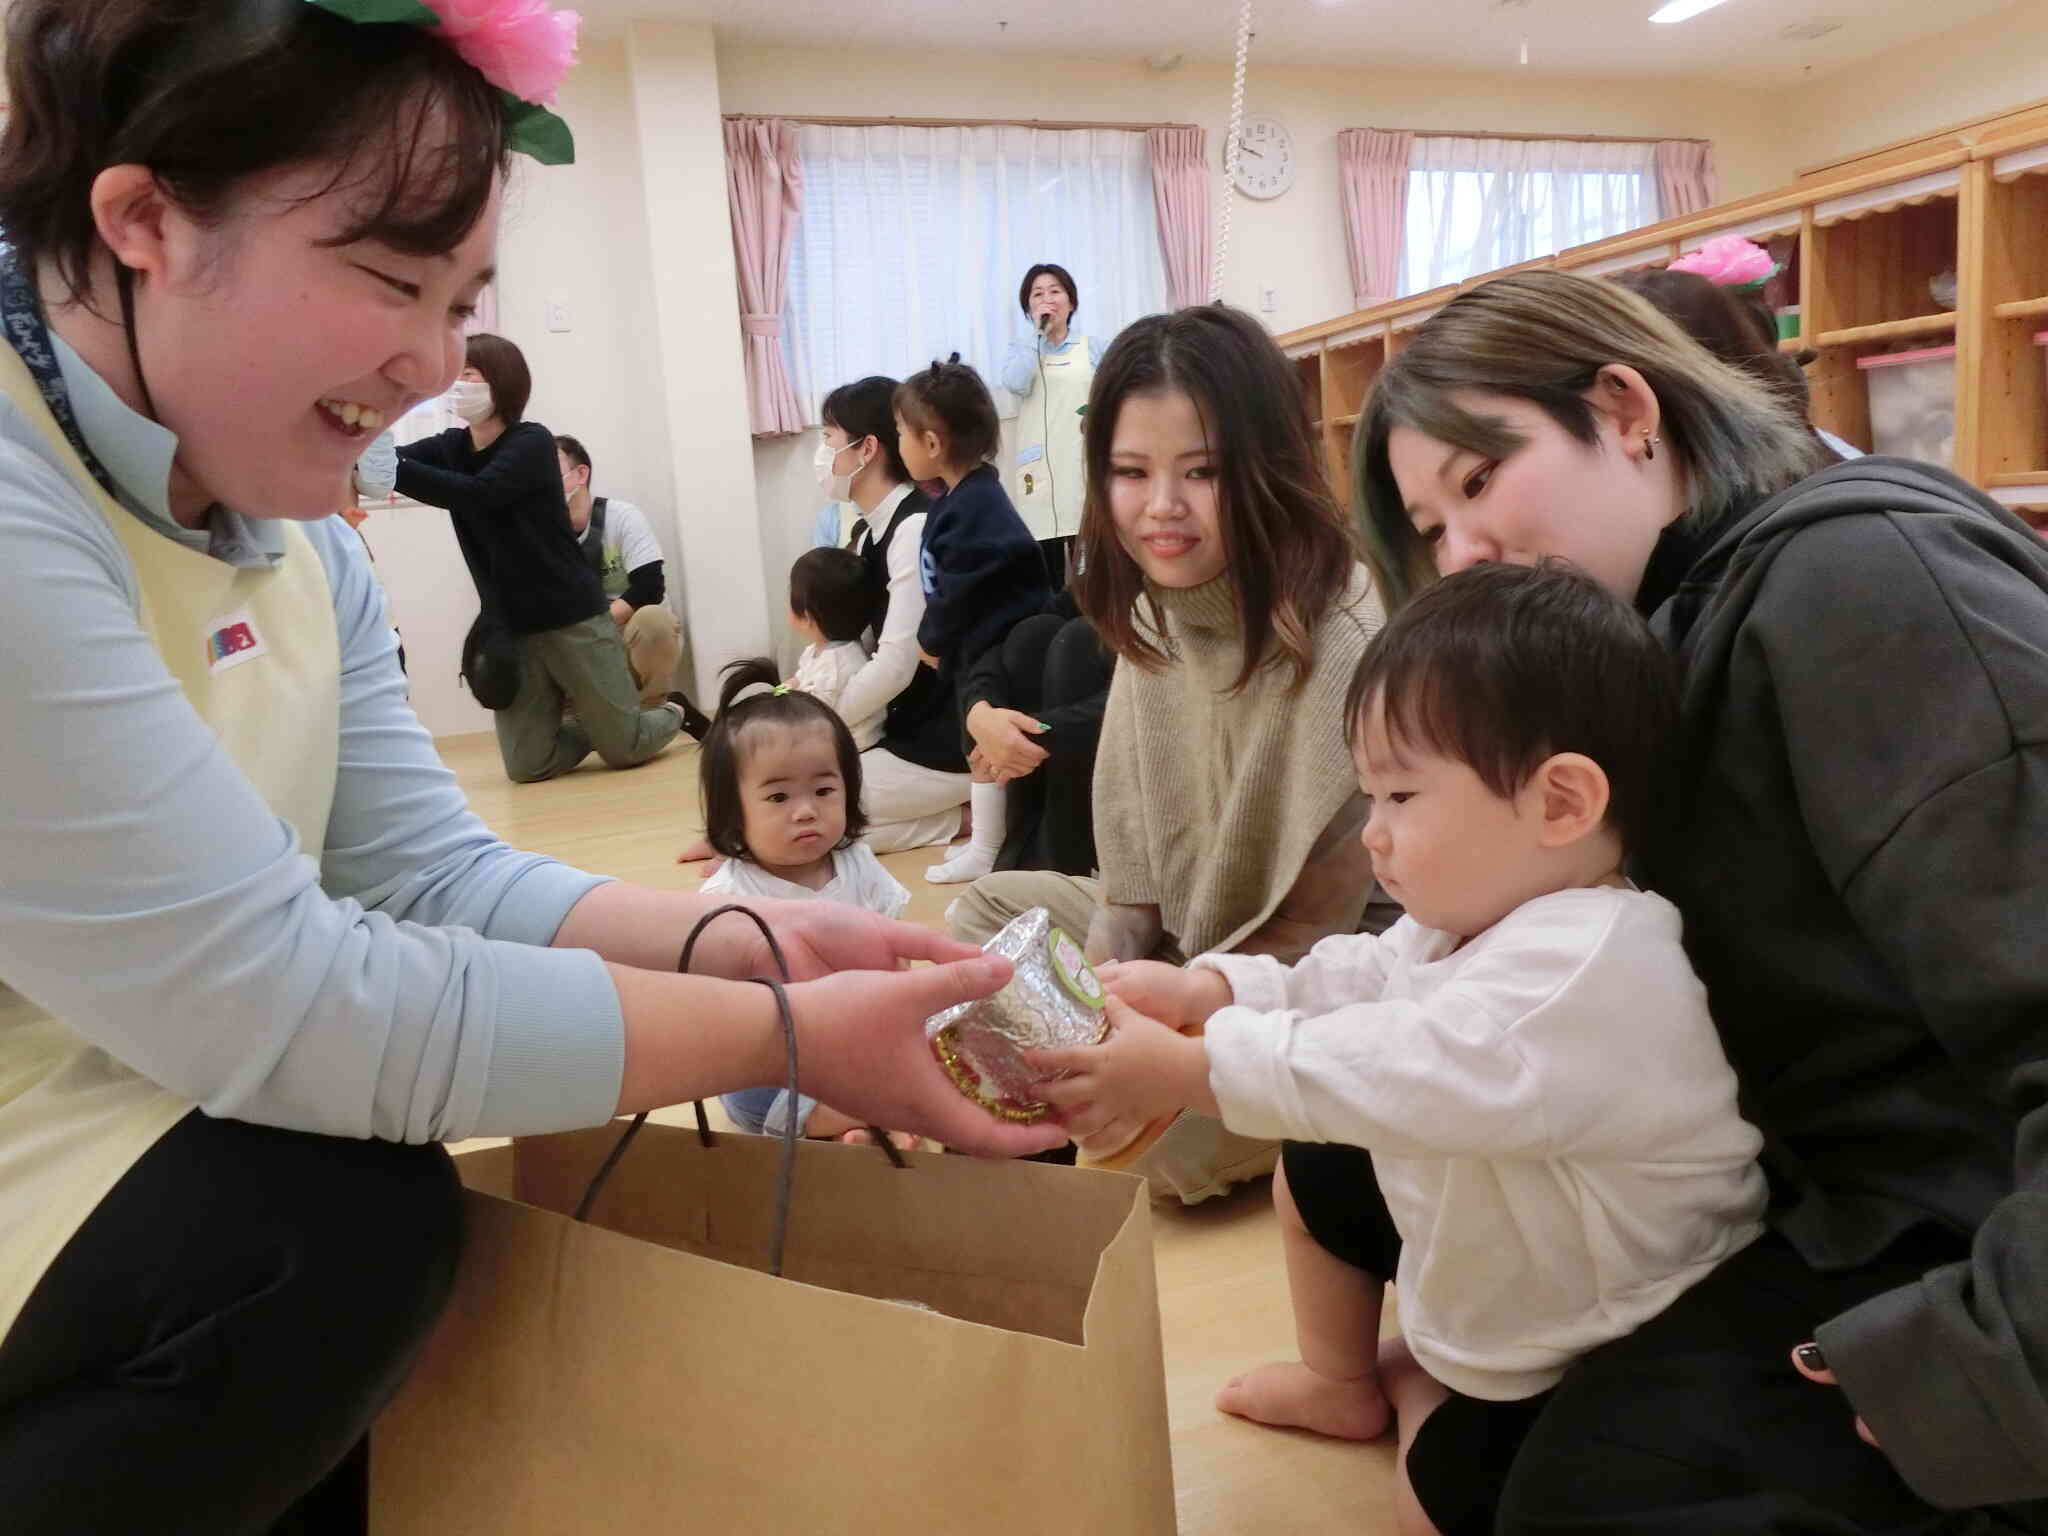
(208, 1351)
(1460, 1457)
(1697, 1423)
(1051, 663)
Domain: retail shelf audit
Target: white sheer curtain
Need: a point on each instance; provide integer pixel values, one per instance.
(913, 242)
(1478, 204)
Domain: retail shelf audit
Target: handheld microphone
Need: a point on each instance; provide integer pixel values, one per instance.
(1044, 319)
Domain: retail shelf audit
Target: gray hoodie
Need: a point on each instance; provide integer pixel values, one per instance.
(1858, 839)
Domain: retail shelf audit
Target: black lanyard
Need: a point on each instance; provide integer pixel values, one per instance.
(21, 311)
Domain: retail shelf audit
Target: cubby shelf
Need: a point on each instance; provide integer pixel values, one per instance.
(1867, 245)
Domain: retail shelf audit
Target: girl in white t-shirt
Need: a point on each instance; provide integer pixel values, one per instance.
(1514, 1102)
(780, 777)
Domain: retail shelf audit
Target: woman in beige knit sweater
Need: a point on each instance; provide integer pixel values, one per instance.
(1218, 568)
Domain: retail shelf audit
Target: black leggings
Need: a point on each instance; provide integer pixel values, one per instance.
(1051, 663)
(1697, 1423)
(208, 1351)
(1460, 1458)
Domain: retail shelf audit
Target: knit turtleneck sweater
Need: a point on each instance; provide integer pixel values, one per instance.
(1207, 803)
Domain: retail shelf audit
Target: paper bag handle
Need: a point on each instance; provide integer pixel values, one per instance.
(785, 1180)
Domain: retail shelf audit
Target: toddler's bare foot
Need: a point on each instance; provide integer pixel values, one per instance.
(700, 849)
(1289, 1393)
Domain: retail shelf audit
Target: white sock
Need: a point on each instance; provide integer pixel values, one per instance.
(990, 803)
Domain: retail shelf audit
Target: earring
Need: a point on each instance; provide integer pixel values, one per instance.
(1650, 446)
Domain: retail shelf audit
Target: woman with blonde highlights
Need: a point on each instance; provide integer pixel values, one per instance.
(1860, 895)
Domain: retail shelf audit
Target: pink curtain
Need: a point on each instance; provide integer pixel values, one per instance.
(1685, 177)
(1373, 169)
(1180, 192)
(764, 184)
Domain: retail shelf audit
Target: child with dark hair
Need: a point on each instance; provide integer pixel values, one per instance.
(828, 606)
(1514, 1102)
(780, 777)
(982, 569)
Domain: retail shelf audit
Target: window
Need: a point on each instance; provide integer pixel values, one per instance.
(913, 240)
(1478, 204)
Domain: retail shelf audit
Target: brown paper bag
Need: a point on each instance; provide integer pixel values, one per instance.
(639, 1373)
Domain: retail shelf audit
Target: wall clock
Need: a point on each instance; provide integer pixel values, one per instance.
(1265, 158)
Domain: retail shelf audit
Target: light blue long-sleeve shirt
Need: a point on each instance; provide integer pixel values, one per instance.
(1020, 366)
(377, 469)
(829, 530)
(397, 988)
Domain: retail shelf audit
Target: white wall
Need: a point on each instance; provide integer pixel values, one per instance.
(1987, 66)
(695, 324)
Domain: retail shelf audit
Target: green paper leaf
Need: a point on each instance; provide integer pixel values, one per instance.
(408, 13)
(538, 132)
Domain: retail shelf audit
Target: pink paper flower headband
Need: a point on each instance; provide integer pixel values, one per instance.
(520, 46)
(1729, 261)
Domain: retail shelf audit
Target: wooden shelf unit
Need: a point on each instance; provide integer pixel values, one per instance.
(1861, 244)
(2007, 394)
(1889, 330)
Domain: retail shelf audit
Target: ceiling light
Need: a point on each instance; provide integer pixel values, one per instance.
(1683, 10)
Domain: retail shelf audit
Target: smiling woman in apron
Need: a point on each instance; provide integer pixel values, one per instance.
(257, 958)
(1051, 373)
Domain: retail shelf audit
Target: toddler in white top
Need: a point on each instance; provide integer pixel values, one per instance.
(1514, 1103)
(829, 606)
(780, 778)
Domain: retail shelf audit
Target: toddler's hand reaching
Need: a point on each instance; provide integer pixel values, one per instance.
(1175, 996)
(1143, 1071)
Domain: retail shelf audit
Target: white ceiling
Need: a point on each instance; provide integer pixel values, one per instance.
(1740, 43)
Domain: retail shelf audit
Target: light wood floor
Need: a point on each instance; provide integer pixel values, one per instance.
(1222, 1289)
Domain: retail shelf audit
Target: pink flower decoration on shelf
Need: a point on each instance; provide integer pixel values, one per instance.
(1728, 261)
(520, 46)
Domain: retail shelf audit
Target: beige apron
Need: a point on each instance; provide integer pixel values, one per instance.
(256, 653)
(1051, 481)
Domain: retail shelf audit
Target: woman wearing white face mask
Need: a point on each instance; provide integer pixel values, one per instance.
(502, 484)
(838, 519)
(915, 780)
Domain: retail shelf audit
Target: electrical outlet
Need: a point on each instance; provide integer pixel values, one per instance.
(1267, 302)
(558, 312)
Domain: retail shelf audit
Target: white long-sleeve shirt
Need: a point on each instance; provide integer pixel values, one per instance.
(1550, 1115)
(823, 671)
(895, 661)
